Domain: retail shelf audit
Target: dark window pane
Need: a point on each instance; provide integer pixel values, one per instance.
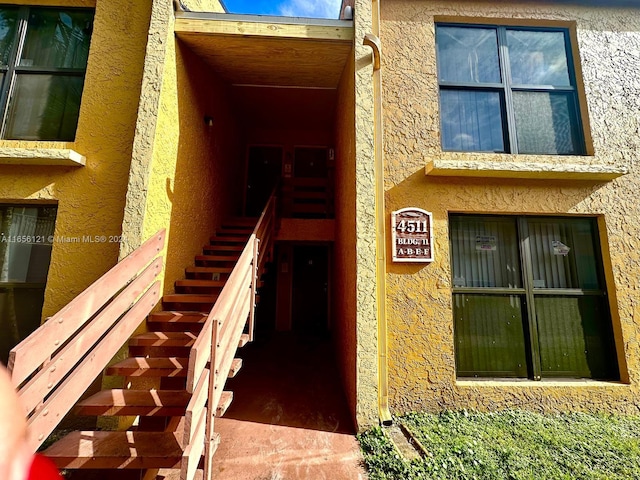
(575, 337)
(24, 265)
(8, 27)
(471, 121)
(485, 252)
(489, 336)
(468, 55)
(44, 107)
(545, 123)
(20, 312)
(57, 39)
(538, 58)
(563, 253)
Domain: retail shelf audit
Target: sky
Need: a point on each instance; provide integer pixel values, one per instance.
(288, 8)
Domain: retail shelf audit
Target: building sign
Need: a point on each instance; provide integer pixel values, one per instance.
(412, 235)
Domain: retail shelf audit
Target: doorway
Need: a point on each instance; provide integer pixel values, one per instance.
(310, 289)
(264, 169)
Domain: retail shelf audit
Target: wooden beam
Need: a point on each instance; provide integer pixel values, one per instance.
(206, 26)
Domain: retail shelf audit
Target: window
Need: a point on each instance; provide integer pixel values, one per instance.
(507, 89)
(529, 298)
(43, 58)
(25, 252)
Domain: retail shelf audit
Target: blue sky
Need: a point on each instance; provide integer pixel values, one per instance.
(289, 8)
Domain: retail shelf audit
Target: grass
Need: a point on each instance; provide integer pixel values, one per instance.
(512, 445)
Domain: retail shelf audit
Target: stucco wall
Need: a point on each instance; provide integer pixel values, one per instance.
(365, 239)
(90, 199)
(195, 169)
(344, 254)
(207, 185)
(422, 364)
(170, 129)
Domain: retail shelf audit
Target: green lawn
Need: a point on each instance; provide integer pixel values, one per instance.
(510, 445)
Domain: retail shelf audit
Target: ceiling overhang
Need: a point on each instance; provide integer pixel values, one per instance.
(269, 51)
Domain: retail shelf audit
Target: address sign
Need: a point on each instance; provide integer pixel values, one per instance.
(412, 235)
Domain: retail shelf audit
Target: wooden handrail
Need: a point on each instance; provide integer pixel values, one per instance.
(56, 364)
(211, 356)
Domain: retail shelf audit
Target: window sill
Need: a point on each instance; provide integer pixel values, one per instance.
(41, 156)
(545, 383)
(525, 170)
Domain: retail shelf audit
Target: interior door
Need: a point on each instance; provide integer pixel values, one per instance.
(310, 290)
(264, 169)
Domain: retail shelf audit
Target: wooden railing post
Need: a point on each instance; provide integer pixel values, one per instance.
(254, 283)
(210, 436)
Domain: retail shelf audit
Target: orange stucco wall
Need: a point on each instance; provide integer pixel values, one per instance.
(90, 199)
(344, 254)
(208, 166)
(422, 356)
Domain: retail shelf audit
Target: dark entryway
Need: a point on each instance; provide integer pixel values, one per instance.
(310, 288)
(264, 169)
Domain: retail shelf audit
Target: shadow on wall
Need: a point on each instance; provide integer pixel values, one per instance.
(206, 188)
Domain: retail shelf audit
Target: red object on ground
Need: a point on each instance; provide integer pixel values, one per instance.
(43, 469)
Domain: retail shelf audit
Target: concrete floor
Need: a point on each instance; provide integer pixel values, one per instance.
(289, 418)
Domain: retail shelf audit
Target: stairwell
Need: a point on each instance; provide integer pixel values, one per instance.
(156, 375)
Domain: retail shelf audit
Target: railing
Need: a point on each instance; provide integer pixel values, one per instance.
(56, 364)
(307, 198)
(212, 355)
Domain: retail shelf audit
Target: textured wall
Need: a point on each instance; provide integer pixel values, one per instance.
(365, 241)
(91, 198)
(189, 173)
(208, 168)
(422, 365)
(344, 254)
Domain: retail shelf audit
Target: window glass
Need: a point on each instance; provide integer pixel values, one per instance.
(507, 89)
(545, 123)
(563, 254)
(468, 55)
(574, 337)
(471, 121)
(485, 252)
(558, 325)
(538, 58)
(44, 107)
(25, 253)
(57, 39)
(489, 336)
(8, 27)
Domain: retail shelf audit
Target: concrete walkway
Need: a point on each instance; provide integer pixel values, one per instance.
(289, 418)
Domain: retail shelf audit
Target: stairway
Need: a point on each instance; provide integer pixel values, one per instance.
(156, 371)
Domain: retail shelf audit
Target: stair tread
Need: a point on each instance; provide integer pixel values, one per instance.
(225, 401)
(199, 283)
(163, 339)
(236, 365)
(242, 239)
(224, 248)
(116, 450)
(152, 367)
(211, 258)
(240, 221)
(189, 298)
(173, 316)
(208, 269)
(233, 232)
(135, 402)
